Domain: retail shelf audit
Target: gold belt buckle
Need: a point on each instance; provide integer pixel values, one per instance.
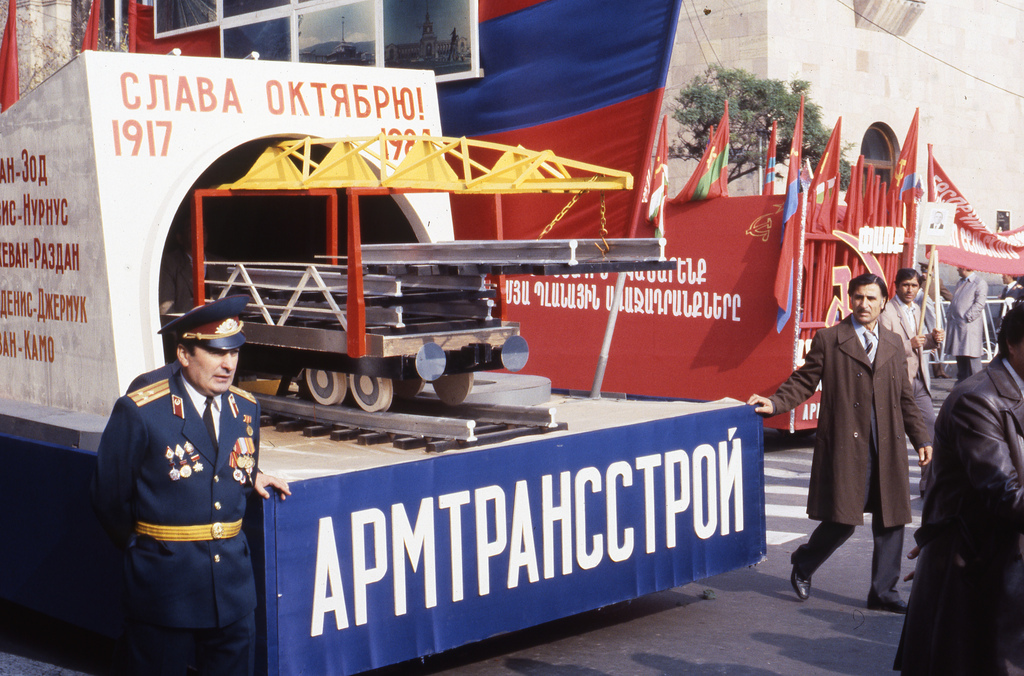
(218, 531)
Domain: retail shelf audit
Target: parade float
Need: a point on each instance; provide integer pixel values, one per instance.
(409, 531)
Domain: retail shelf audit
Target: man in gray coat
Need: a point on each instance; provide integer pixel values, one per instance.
(965, 318)
(860, 455)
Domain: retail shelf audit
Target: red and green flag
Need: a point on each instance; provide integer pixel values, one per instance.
(711, 178)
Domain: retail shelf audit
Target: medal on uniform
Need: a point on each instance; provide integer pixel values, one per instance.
(175, 474)
(242, 458)
(186, 471)
(179, 451)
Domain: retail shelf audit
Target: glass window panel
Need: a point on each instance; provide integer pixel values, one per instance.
(271, 39)
(435, 36)
(236, 7)
(176, 14)
(341, 35)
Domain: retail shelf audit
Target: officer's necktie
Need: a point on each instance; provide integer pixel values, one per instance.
(870, 344)
(208, 419)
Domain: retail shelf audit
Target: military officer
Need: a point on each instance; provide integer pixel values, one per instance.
(176, 463)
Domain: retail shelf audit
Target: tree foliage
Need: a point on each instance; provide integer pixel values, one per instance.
(753, 104)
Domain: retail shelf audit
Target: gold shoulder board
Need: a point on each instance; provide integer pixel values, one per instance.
(145, 395)
(243, 393)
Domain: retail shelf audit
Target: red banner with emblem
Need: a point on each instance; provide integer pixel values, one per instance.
(972, 245)
(704, 330)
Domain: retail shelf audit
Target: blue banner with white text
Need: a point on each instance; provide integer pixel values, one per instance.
(383, 565)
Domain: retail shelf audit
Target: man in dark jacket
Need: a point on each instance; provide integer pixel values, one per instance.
(176, 464)
(967, 605)
(860, 456)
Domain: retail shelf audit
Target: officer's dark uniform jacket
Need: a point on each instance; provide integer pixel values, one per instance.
(152, 436)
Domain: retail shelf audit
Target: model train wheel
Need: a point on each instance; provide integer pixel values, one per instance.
(326, 387)
(407, 389)
(372, 394)
(454, 389)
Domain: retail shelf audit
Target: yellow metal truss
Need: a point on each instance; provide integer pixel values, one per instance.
(432, 163)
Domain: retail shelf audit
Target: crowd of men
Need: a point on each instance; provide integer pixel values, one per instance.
(966, 609)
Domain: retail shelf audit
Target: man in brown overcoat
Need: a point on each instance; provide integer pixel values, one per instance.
(860, 456)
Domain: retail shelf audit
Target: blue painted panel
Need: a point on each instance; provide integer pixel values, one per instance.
(55, 557)
(507, 574)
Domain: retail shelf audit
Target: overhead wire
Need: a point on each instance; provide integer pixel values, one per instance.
(711, 45)
(932, 56)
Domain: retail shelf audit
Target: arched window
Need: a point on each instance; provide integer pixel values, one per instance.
(881, 150)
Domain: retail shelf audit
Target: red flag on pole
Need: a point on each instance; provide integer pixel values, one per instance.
(785, 276)
(931, 175)
(769, 163)
(9, 87)
(906, 183)
(654, 211)
(823, 194)
(133, 25)
(91, 39)
(711, 178)
(855, 198)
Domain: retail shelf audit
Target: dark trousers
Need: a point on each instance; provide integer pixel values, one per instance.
(885, 560)
(151, 650)
(924, 402)
(966, 367)
(829, 535)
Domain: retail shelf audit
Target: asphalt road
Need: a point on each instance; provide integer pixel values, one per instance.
(745, 622)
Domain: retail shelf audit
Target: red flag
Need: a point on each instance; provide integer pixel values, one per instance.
(870, 196)
(906, 183)
(133, 25)
(931, 175)
(655, 213)
(711, 178)
(769, 163)
(823, 194)
(785, 276)
(91, 39)
(9, 60)
(855, 199)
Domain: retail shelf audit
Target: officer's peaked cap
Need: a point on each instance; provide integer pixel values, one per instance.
(214, 325)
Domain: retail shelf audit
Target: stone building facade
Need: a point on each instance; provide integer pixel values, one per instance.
(873, 62)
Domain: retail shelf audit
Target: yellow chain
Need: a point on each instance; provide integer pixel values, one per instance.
(604, 230)
(565, 209)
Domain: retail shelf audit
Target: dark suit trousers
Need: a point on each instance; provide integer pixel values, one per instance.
(150, 650)
(888, 551)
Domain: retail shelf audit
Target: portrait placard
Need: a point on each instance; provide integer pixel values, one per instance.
(935, 223)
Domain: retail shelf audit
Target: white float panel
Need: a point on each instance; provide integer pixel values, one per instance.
(95, 162)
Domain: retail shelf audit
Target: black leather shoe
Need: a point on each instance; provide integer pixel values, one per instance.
(899, 606)
(801, 586)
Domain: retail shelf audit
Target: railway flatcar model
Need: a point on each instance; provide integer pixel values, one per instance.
(381, 319)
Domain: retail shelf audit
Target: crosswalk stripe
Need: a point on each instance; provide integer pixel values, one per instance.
(777, 473)
(778, 537)
(785, 490)
(786, 511)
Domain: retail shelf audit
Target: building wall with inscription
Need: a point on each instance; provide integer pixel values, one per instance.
(94, 164)
(958, 62)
